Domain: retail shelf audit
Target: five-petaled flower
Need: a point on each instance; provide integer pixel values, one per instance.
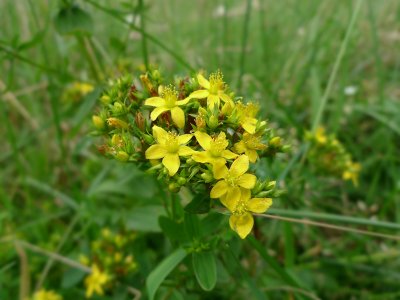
(215, 149)
(95, 281)
(246, 114)
(249, 145)
(241, 219)
(214, 89)
(169, 147)
(168, 102)
(232, 179)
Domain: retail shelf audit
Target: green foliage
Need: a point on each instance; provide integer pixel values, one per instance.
(309, 63)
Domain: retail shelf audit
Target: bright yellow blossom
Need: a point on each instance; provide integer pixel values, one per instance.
(320, 136)
(232, 179)
(82, 87)
(95, 281)
(215, 149)
(249, 145)
(169, 147)
(46, 295)
(241, 219)
(351, 173)
(214, 89)
(246, 114)
(168, 102)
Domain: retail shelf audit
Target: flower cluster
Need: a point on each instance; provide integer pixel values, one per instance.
(43, 294)
(76, 91)
(108, 255)
(327, 155)
(195, 133)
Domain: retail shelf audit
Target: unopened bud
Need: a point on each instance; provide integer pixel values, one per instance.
(207, 177)
(118, 108)
(181, 181)
(213, 122)
(271, 185)
(122, 156)
(117, 123)
(116, 140)
(173, 187)
(275, 141)
(105, 99)
(148, 139)
(98, 122)
(139, 120)
(146, 82)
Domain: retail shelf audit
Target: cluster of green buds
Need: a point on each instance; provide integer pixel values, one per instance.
(328, 156)
(110, 254)
(194, 133)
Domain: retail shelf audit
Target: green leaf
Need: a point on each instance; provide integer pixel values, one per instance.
(200, 204)
(205, 269)
(144, 218)
(171, 229)
(73, 20)
(71, 278)
(158, 275)
(192, 226)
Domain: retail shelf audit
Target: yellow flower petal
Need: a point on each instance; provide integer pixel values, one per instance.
(171, 162)
(200, 94)
(259, 205)
(250, 125)
(184, 138)
(157, 111)
(220, 171)
(212, 101)
(155, 152)
(225, 97)
(160, 134)
(201, 157)
(155, 101)
(203, 82)
(252, 154)
(247, 181)
(232, 197)
(184, 101)
(240, 147)
(239, 166)
(204, 139)
(185, 151)
(242, 224)
(178, 116)
(219, 189)
(229, 154)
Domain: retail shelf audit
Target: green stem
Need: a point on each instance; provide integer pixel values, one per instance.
(144, 39)
(244, 43)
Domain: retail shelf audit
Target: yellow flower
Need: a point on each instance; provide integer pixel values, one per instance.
(320, 136)
(232, 179)
(95, 281)
(246, 114)
(83, 88)
(168, 102)
(46, 295)
(351, 173)
(249, 145)
(83, 259)
(241, 219)
(215, 149)
(170, 146)
(214, 89)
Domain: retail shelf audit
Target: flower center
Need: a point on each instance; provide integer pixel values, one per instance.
(216, 82)
(231, 180)
(171, 143)
(170, 96)
(218, 145)
(241, 208)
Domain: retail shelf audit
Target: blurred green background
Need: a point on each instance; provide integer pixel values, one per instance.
(297, 58)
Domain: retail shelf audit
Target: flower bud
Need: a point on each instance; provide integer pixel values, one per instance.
(98, 122)
(117, 123)
(271, 185)
(118, 108)
(181, 181)
(139, 120)
(275, 141)
(105, 99)
(213, 122)
(174, 187)
(116, 140)
(122, 156)
(148, 139)
(207, 177)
